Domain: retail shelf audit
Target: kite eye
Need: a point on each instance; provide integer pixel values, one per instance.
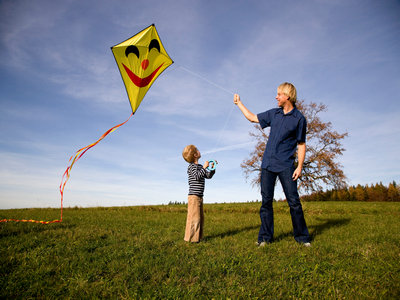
(154, 44)
(132, 49)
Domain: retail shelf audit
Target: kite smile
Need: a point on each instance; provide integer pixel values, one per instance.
(141, 82)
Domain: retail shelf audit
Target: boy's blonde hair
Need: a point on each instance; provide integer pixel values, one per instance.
(289, 90)
(189, 152)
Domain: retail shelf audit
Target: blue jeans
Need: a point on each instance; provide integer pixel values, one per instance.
(289, 186)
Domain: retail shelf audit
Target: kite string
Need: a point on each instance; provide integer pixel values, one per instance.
(205, 79)
(223, 128)
(221, 88)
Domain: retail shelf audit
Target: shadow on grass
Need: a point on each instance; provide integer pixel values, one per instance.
(327, 224)
(319, 228)
(314, 229)
(230, 232)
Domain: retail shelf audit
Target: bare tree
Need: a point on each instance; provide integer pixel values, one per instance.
(324, 145)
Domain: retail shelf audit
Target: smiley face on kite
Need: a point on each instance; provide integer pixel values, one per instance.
(140, 60)
(132, 49)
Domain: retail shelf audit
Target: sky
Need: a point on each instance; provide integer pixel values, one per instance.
(61, 89)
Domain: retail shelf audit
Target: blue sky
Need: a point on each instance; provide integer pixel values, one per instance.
(61, 90)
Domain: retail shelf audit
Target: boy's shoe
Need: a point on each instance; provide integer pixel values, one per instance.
(307, 244)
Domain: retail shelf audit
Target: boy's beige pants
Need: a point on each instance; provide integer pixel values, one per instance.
(195, 219)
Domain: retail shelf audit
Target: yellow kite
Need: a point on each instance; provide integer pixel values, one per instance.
(140, 60)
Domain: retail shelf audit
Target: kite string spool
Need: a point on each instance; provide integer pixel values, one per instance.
(212, 165)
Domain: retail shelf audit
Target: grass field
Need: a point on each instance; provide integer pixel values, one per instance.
(139, 252)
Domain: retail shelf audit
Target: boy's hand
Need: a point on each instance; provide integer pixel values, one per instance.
(206, 164)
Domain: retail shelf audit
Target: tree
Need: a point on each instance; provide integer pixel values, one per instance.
(393, 192)
(324, 145)
(359, 193)
(377, 192)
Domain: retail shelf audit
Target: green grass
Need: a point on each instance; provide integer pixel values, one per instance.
(139, 252)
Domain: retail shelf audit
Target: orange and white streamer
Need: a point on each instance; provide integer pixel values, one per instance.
(67, 173)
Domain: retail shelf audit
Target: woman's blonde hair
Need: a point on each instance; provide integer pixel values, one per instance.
(289, 90)
(189, 152)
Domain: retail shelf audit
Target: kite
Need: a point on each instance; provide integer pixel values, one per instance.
(140, 59)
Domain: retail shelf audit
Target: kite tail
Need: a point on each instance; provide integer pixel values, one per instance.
(78, 155)
(66, 175)
(31, 221)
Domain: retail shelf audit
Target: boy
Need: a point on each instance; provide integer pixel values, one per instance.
(196, 177)
(288, 133)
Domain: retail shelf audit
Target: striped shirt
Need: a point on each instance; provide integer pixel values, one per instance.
(196, 176)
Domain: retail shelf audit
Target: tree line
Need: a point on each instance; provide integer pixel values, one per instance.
(374, 192)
